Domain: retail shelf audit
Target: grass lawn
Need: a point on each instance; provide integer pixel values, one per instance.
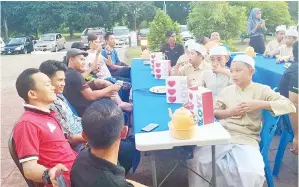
(76, 36)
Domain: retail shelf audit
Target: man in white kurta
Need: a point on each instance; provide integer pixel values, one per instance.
(239, 109)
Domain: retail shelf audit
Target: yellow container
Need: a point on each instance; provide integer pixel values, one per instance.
(182, 134)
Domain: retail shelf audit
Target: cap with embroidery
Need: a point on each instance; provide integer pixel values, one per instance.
(218, 50)
(197, 47)
(292, 32)
(281, 28)
(189, 42)
(245, 59)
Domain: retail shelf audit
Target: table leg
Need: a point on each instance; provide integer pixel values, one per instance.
(213, 167)
(154, 171)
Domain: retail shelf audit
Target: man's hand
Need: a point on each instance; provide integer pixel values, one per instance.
(295, 146)
(219, 69)
(52, 173)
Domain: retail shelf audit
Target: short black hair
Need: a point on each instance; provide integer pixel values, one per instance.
(25, 83)
(92, 37)
(295, 51)
(50, 67)
(102, 123)
(169, 33)
(106, 37)
(202, 39)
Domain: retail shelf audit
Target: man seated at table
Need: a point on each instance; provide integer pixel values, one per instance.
(103, 128)
(78, 91)
(118, 69)
(70, 123)
(239, 109)
(184, 59)
(195, 68)
(288, 87)
(277, 42)
(172, 49)
(40, 144)
(285, 52)
(219, 77)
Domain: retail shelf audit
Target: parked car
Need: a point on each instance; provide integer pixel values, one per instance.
(142, 36)
(122, 36)
(19, 45)
(99, 31)
(2, 44)
(50, 42)
(185, 33)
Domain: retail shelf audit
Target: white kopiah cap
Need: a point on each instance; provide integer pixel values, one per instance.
(218, 50)
(197, 47)
(292, 32)
(281, 28)
(189, 42)
(245, 59)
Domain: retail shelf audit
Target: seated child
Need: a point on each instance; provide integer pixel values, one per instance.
(239, 109)
(277, 42)
(219, 77)
(285, 52)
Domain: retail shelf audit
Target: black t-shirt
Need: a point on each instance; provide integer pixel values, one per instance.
(289, 80)
(173, 54)
(74, 84)
(91, 171)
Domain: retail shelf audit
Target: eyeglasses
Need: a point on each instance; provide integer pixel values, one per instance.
(173, 35)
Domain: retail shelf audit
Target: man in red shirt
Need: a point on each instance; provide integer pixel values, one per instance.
(41, 146)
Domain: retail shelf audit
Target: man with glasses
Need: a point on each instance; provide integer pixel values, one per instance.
(171, 49)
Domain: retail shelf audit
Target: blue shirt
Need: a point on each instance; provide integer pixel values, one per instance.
(114, 56)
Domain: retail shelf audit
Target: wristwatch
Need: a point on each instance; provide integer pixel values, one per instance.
(46, 177)
(109, 53)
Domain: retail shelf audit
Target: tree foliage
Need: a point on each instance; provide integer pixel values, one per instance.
(158, 27)
(208, 17)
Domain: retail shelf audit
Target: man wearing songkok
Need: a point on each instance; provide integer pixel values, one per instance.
(239, 109)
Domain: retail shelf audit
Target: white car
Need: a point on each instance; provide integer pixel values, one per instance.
(185, 33)
(2, 44)
(50, 42)
(122, 36)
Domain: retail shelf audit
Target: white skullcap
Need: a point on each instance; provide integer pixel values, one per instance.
(281, 28)
(245, 59)
(197, 47)
(292, 32)
(189, 42)
(218, 50)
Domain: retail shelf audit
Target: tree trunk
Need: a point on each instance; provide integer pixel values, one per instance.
(71, 30)
(5, 29)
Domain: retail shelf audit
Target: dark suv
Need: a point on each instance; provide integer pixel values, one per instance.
(19, 45)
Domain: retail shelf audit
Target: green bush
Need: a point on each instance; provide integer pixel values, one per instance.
(208, 17)
(158, 27)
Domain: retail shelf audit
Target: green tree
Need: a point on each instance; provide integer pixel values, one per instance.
(158, 28)
(293, 9)
(275, 12)
(208, 17)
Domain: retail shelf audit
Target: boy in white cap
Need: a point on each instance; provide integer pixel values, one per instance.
(196, 67)
(184, 59)
(285, 52)
(277, 42)
(239, 109)
(219, 77)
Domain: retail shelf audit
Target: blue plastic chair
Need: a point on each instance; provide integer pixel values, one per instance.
(267, 134)
(286, 137)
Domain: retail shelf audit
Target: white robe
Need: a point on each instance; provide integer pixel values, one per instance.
(236, 166)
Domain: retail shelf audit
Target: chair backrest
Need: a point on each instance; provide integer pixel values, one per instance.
(268, 130)
(12, 150)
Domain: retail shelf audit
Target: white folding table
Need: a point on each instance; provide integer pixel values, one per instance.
(206, 135)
